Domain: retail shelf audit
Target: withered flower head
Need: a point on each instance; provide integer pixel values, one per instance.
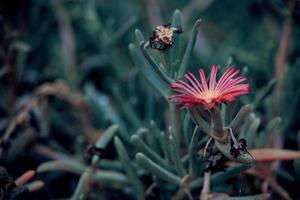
(215, 162)
(162, 37)
(238, 148)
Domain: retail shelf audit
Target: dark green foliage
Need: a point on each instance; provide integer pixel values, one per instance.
(79, 73)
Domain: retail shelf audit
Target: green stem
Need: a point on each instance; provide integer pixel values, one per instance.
(174, 115)
(155, 65)
(193, 166)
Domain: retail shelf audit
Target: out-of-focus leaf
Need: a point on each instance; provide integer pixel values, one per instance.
(103, 176)
(103, 109)
(121, 31)
(264, 92)
(106, 136)
(110, 164)
(269, 154)
(139, 36)
(251, 133)
(63, 165)
(110, 177)
(189, 50)
(81, 186)
(240, 117)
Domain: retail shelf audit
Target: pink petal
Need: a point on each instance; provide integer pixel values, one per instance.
(213, 75)
(203, 79)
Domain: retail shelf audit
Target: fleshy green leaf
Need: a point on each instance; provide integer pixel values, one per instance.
(130, 171)
(150, 166)
(106, 136)
(174, 52)
(147, 71)
(189, 50)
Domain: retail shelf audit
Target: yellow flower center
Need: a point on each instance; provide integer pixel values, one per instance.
(209, 95)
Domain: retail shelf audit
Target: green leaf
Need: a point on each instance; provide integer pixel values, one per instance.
(157, 68)
(110, 177)
(193, 164)
(174, 52)
(150, 166)
(106, 136)
(240, 117)
(159, 136)
(250, 133)
(199, 121)
(175, 153)
(81, 186)
(110, 164)
(103, 176)
(140, 145)
(130, 171)
(189, 50)
(147, 71)
(139, 36)
(62, 165)
(101, 106)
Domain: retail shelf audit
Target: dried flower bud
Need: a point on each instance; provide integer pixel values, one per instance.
(162, 37)
(237, 148)
(92, 150)
(215, 162)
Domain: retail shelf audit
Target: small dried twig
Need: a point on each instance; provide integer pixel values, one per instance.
(62, 91)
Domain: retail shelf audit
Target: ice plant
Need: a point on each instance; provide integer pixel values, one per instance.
(194, 91)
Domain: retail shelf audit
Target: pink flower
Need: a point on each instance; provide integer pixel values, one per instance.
(194, 91)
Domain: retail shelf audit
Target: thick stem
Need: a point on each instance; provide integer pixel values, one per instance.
(216, 123)
(206, 186)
